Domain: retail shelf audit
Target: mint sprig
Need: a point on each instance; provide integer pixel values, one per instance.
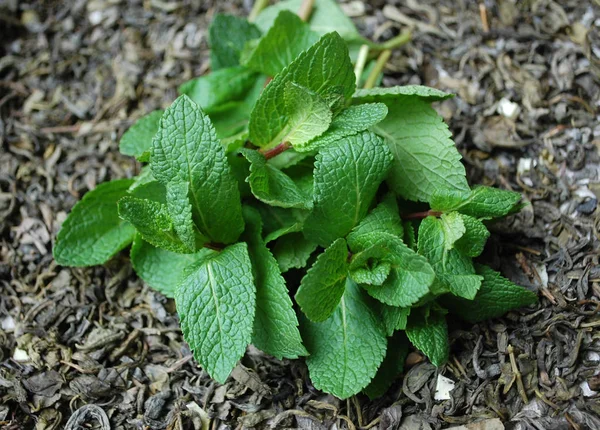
(274, 209)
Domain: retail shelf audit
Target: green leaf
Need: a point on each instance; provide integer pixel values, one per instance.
(346, 349)
(180, 210)
(93, 231)
(220, 90)
(308, 113)
(323, 285)
(285, 40)
(425, 158)
(410, 238)
(391, 367)
(475, 237)
(369, 266)
(452, 268)
(430, 335)
(293, 251)
(270, 185)
(280, 221)
(216, 303)
(153, 222)
(137, 140)
(496, 296)
(275, 324)
(411, 275)
(325, 65)
(348, 122)
(426, 94)
(453, 228)
(347, 176)
(394, 318)
(227, 36)
(186, 149)
(161, 269)
(383, 219)
(481, 202)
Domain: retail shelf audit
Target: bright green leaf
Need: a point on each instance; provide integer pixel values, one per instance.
(347, 348)
(430, 335)
(216, 303)
(137, 140)
(93, 231)
(180, 210)
(383, 219)
(453, 227)
(227, 36)
(426, 94)
(481, 202)
(347, 176)
(323, 285)
(186, 149)
(308, 113)
(475, 237)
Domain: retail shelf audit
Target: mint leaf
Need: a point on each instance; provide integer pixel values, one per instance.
(481, 202)
(93, 231)
(270, 185)
(216, 303)
(285, 40)
(430, 335)
(326, 64)
(323, 285)
(425, 158)
(410, 238)
(367, 266)
(275, 324)
(180, 210)
(475, 237)
(346, 349)
(293, 251)
(426, 94)
(394, 318)
(309, 115)
(153, 222)
(220, 90)
(391, 367)
(186, 149)
(453, 228)
(410, 275)
(227, 36)
(137, 140)
(348, 122)
(278, 221)
(383, 219)
(452, 268)
(496, 296)
(347, 176)
(161, 269)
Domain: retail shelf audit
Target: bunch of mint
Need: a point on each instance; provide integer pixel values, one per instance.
(353, 202)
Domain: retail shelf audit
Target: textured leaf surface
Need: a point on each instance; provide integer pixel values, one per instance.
(346, 178)
(481, 202)
(293, 251)
(180, 210)
(216, 305)
(270, 185)
(496, 296)
(367, 267)
(227, 36)
(309, 115)
(219, 90)
(326, 64)
(475, 237)
(137, 141)
(425, 158)
(275, 324)
(323, 285)
(152, 220)
(453, 228)
(426, 94)
(452, 268)
(161, 269)
(186, 149)
(346, 349)
(394, 318)
(430, 335)
(93, 231)
(410, 275)
(285, 40)
(391, 367)
(383, 219)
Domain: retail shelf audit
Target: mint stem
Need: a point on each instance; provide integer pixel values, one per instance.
(363, 53)
(422, 215)
(270, 153)
(214, 246)
(257, 7)
(379, 65)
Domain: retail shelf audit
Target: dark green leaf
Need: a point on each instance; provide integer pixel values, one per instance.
(227, 36)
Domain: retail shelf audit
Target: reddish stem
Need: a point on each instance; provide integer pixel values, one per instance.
(421, 215)
(270, 153)
(214, 246)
